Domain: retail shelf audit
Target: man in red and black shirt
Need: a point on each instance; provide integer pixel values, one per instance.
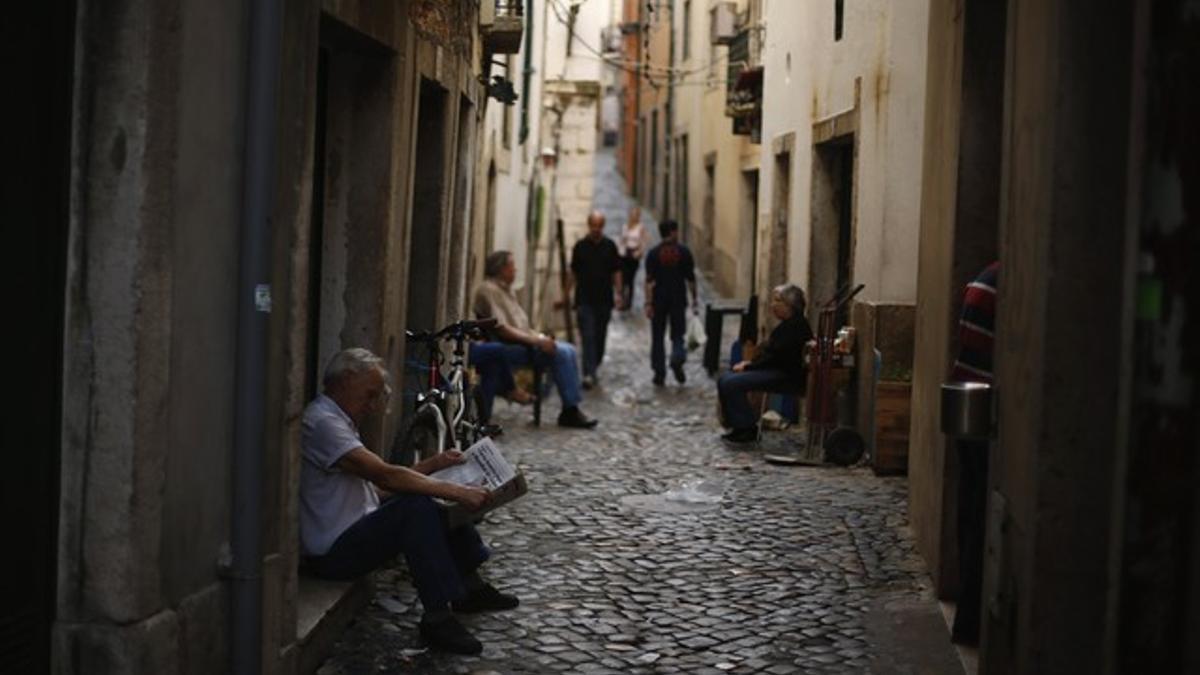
(976, 328)
(670, 274)
(976, 335)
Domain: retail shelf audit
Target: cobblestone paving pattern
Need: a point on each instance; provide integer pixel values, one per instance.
(797, 570)
(778, 578)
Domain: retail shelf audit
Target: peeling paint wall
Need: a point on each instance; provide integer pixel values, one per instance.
(810, 78)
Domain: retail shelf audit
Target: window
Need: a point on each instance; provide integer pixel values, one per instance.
(687, 29)
(653, 170)
(839, 18)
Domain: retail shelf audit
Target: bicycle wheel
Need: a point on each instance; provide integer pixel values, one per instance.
(420, 441)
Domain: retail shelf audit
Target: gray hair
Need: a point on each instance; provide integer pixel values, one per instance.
(350, 362)
(495, 262)
(793, 295)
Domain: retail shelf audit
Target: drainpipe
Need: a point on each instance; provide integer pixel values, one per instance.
(253, 306)
(526, 75)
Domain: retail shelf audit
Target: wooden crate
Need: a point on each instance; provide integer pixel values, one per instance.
(892, 414)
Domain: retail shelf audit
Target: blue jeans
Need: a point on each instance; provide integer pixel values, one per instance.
(676, 314)
(593, 332)
(562, 366)
(410, 524)
(732, 388)
(490, 360)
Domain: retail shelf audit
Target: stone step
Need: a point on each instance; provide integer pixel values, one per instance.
(323, 610)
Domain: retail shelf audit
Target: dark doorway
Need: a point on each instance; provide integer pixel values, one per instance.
(429, 192)
(682, 212)
(832, 251)
(36, 199)
(709, 217)
(749, 246)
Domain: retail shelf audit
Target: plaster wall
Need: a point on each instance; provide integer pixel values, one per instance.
(155, 215)
(518, 167)
(693, 78)
(156, 196)
(583, 63)
(1058, 472)
(729, 155)
(877, 70)
(931, 497)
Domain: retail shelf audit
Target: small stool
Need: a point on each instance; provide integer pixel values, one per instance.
(714, 321)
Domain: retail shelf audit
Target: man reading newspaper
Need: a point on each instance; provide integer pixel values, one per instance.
(482, 466)
(346, 531)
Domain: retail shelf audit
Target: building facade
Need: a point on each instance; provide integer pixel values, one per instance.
(185, 349)
(1053, 143)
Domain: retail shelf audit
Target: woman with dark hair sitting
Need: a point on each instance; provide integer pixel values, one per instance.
(777, 367)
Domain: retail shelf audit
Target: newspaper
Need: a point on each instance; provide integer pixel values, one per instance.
(487, 468)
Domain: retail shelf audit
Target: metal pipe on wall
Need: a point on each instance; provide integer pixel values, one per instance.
(253, 308)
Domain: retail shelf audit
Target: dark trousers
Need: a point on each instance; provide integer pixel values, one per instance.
(490, 360)
(593, 332)
(972, 516)
(675, 315)
(629, 268)
(410, 524)
(732, 389)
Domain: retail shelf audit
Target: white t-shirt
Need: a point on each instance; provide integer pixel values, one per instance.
(330, 500)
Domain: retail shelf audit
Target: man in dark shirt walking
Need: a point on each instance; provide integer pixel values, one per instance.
(596, 268)
(670, 273)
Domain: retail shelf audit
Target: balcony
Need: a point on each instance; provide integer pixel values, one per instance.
(502, 25)
(744, 95)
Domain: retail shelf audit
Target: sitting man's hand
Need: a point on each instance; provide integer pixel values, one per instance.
(472, 497)
(448, 458)
(546, 344)
(739, 366)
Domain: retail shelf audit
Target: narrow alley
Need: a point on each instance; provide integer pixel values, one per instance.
(249, 243)
(797, 569)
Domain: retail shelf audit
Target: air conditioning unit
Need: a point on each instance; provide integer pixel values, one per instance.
(723, 23)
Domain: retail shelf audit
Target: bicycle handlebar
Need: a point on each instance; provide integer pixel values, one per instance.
(459, 330)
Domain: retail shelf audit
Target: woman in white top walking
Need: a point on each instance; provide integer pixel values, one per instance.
(631, 245)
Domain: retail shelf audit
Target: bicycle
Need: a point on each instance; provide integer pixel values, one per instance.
(446, 416)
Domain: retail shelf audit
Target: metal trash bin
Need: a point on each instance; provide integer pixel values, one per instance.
(968, 410)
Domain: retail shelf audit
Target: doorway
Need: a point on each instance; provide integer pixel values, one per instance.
(349, 217)
(682, 212)
(709, 217)
(748, 250)
(777, 266)
(832, 249)
(427, 209)
(37, 200)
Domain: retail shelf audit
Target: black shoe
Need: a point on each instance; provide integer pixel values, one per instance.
(485, 599)
(680, 376)
(745, 435)
(588, 382)
(574, 418)
(448, 635)
(659, 379)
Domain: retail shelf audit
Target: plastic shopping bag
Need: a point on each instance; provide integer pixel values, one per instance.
(695, 332)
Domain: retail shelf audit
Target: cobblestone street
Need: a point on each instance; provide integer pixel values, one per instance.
(798, 569)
